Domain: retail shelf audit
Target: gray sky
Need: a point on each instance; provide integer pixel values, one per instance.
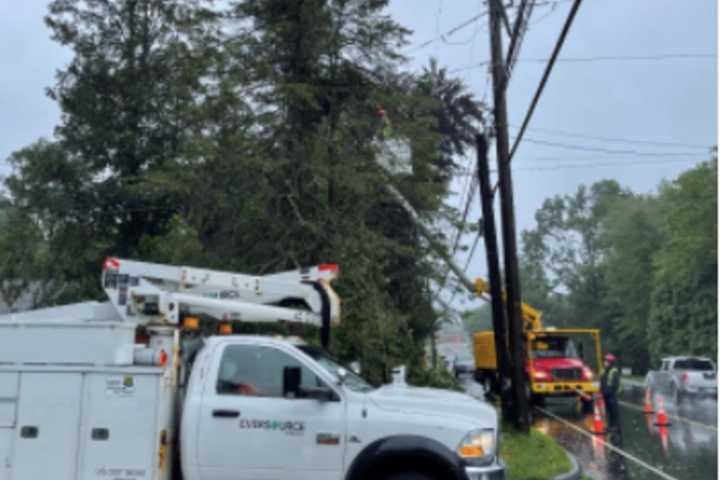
(670, 100)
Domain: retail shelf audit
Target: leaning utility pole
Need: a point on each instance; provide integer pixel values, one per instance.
(491, 251)
(512, 276)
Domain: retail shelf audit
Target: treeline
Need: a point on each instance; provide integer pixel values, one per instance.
(643, 268)
(240, 136)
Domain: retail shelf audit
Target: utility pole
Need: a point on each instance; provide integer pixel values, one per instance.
(493, 262)
(512, 276)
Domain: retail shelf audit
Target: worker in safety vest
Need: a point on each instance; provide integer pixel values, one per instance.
(610, 387)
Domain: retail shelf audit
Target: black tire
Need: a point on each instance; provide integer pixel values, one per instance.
(586, 406)
(408, 476)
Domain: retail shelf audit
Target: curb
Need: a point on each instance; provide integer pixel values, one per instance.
(575, 472)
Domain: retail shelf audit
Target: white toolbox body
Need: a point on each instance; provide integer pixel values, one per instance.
(84, 423)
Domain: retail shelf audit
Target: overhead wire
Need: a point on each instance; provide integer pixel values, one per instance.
(601, 164)
(609, 151)
(599, 58)
(452, 31)
(601, 138)
(546, 75)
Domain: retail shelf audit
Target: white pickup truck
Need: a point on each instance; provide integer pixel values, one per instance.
(682, 377)
(132, 389)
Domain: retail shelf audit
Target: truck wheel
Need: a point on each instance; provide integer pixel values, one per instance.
(408, 476)
(586, 406)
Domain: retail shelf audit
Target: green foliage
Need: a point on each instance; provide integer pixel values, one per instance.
(241, 137)
(642, 268)
(435, 378)
(631, 238)
(521, 452)
(683, 316)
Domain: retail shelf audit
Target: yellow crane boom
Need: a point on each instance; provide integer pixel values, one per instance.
(532, 318)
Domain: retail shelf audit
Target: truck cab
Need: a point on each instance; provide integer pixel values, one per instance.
(556, 368)
(260, 407)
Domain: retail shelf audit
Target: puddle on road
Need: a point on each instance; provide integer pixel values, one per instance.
(685, 450)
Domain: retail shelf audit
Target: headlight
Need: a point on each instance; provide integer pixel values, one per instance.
(478, 446)
(587, 373)
(541, 375)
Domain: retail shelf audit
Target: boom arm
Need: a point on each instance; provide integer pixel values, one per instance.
(149, 293)
(532, 318)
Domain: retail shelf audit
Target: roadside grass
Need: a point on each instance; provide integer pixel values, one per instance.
(532, 457)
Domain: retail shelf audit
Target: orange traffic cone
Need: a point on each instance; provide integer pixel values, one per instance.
(661, 419)
(598, 425)
(648, 407)
(664, 440)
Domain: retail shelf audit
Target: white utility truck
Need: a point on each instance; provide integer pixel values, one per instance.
(135, 389)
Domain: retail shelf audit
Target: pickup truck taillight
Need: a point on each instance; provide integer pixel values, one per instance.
(684, 378)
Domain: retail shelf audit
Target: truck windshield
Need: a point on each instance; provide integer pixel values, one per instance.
(351, 380)
(694, 364)
(553, 347)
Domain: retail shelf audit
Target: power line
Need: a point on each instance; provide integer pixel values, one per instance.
(610, 151)
(450, 32)
(546, 75)
(472, 251)
(629, 162)
(613, 139)
(518, 35)
(572, 166)
(627, 58)
(600, 58)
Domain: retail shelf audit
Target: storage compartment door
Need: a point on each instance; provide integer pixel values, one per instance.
(8, 398)
(6, 437)
(46, 436)
(120, 437)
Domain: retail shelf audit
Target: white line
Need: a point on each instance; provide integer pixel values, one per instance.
(647, 466)
(674, 417)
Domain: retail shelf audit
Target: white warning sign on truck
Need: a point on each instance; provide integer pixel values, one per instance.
(120, 385)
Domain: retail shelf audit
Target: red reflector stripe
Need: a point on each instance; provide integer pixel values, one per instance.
(331, 267)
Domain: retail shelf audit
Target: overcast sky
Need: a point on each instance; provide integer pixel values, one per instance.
(593, 92)
(670, 100)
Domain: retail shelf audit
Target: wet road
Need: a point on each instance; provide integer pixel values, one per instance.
(685, 450)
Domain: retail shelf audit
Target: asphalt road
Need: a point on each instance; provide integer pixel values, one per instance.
(685, 450)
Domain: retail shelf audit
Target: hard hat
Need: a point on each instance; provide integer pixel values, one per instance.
(610, 358)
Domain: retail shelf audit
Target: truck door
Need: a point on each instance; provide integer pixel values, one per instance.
(249, 430)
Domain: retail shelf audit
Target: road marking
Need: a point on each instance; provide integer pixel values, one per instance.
(625, 454)
(675, 417)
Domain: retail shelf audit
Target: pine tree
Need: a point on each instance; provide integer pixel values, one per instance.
(127, 101)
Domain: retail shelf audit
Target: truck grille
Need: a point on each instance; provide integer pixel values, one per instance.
(566, 374)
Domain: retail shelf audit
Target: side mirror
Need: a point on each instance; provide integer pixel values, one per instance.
(342, 375)
(292, 378)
